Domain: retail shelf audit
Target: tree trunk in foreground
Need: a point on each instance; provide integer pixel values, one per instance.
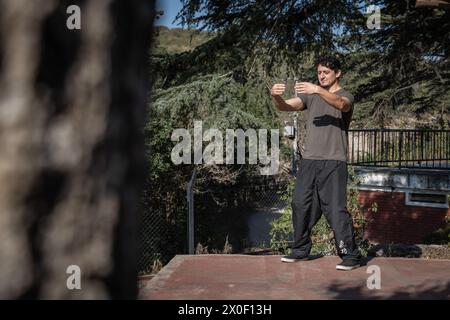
(72, 105)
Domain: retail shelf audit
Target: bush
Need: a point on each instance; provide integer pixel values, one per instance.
(440, 236)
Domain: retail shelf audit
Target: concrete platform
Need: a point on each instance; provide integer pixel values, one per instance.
(245, 277)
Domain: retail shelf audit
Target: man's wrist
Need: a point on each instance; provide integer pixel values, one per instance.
(317, 89)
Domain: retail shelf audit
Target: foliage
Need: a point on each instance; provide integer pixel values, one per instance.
(290, 26)
(219, 102)
(175, 41)
(400, 71)
(281, 231)
(440, 236)
(227, 249)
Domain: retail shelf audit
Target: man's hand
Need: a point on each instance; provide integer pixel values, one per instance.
(277, 89)
(294, 104)
(306, 87)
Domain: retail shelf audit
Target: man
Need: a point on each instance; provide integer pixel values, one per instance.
(322, 174)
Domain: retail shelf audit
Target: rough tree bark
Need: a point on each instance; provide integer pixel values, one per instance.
(72, 105)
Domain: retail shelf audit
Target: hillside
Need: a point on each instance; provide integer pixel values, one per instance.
(170, 41)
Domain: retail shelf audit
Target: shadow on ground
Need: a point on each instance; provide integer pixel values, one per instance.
(425, 291)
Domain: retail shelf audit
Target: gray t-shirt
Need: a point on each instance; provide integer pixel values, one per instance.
(326, 128)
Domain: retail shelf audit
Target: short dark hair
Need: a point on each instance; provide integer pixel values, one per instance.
(331, 62)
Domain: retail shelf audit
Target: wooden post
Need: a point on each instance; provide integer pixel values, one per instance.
(190, 224)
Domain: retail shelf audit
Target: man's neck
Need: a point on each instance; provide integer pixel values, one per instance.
(333, 88)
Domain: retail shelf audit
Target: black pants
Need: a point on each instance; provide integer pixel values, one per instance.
(321, 186)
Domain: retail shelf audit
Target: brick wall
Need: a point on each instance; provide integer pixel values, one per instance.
(397, 222)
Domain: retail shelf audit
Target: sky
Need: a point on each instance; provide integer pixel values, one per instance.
(170, 8)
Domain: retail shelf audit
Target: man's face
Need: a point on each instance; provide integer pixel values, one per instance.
(327, 77)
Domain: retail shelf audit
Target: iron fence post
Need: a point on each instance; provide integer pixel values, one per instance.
(190, 220)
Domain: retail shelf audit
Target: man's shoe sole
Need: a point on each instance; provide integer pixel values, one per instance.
(345, 268)
(289, 260)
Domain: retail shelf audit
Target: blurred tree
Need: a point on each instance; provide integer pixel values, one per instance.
(72, 105)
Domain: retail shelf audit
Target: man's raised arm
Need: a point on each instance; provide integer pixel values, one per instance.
(294, 104)
(339, 102)
(336, 101)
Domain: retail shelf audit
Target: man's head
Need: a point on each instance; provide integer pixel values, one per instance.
(328, 70)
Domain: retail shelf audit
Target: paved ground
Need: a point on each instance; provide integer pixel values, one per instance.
(243, 277)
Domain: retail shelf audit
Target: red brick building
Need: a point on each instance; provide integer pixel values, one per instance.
(411, 203)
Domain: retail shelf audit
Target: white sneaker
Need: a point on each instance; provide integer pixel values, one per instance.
(348, 264)
(291, 258)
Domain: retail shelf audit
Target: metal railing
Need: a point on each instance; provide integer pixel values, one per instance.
(403, 148)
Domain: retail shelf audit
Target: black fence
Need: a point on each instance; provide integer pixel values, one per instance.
(427, 149)
(221, 214)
